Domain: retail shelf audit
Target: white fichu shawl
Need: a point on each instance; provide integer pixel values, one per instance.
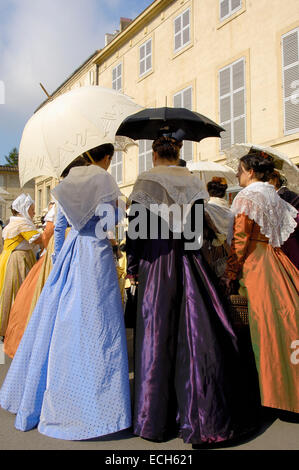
(82, 191)
(22, 223)
(168, 185)
(275, 217)
(222, 217)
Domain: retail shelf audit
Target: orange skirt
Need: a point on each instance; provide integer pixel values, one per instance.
(272, 284)
(26, 300)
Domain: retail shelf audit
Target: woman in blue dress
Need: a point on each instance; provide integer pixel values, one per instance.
(70, 374)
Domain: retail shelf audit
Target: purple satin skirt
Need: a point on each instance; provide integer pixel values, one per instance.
(190, 380)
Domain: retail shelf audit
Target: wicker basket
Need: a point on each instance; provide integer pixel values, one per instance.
(239, 310)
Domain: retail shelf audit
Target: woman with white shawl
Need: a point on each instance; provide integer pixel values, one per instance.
(70, 373)
(20, 237)
(263, 222)
(218, 217)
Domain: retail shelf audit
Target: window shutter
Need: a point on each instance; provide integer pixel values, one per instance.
(145, 155)
(183, 99)
(238, 77)
(228, 7)
(182, 30)
(224, 8)
(232, 104)
(290, 62)
(177, 101)
(235, 4)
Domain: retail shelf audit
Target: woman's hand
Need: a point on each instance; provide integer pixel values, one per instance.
(133, 278)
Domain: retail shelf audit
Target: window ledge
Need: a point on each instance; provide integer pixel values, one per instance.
(230, 18)
(145, 75)
(182, 50)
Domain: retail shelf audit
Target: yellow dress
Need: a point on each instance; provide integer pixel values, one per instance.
(14, 267)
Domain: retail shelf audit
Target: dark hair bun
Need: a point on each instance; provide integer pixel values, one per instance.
(217, 187)
(167, 147)
(261, 163)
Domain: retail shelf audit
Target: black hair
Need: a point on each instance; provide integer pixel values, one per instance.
(216, 188)
(79, 161)
(167, 148)
(182, 162)
(261, 164)
(100, 152)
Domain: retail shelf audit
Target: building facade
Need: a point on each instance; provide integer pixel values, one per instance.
(10, 190)
(235, 61)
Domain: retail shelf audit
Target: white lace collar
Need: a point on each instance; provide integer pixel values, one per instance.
(180, 185)
(261, 203)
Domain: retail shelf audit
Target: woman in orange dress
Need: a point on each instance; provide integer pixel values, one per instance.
(26, 297)
(263, 222)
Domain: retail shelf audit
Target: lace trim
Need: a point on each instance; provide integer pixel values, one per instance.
(275, 217)
(181, 194)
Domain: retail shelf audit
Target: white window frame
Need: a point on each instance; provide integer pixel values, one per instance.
(284, 68)
(182, 29)
(181, 92)
(118, 76)
(117, 161)
(230, 10)
(146, 56)
(143, 155)
(230, 94)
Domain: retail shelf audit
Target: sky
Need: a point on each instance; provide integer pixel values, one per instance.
(45, 41)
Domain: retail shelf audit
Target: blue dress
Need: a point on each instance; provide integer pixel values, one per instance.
(70, 374)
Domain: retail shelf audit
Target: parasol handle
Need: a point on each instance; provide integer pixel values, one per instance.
(43, 88)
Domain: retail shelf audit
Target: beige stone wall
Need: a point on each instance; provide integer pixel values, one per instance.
(10, 183)
(253, 33)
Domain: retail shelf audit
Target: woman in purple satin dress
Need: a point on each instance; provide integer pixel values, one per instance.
(189, 380)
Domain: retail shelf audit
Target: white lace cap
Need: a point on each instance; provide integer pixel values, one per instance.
(275, 217)
(22, 204)
(82, 191)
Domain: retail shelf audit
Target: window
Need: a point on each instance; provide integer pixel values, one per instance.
(229, 7)
(183, 99)
(40, 201)
(48, 195)
(182, 30)
(290, 71)
(232, 104)
(91, 77)
(2, 181)
(145, 155)
(117, 167)
(145, 63)
(116, 78)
